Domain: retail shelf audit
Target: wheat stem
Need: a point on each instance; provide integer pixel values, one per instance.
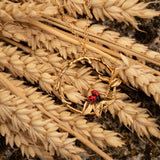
(26, 49)
(7, 84)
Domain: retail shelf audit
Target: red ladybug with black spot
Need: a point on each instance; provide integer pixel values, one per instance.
(96, 93)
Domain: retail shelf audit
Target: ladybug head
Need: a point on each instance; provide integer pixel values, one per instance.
(95, 93)
(92, 98)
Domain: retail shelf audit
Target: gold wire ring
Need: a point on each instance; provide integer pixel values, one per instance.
(58, 87)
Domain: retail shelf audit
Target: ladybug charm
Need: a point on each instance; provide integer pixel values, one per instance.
(96, 93)
(92, 98)
(95, 97)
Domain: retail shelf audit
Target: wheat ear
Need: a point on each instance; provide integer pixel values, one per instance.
(122, 11)
(25, 10)
(88, 45)
(140, 77)
(131, 116)
(24, 142)
(47, 75)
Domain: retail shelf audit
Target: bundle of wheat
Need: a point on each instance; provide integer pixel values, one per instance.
(49, 45)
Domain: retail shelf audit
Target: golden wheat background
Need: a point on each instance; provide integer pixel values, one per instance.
(39, 48)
